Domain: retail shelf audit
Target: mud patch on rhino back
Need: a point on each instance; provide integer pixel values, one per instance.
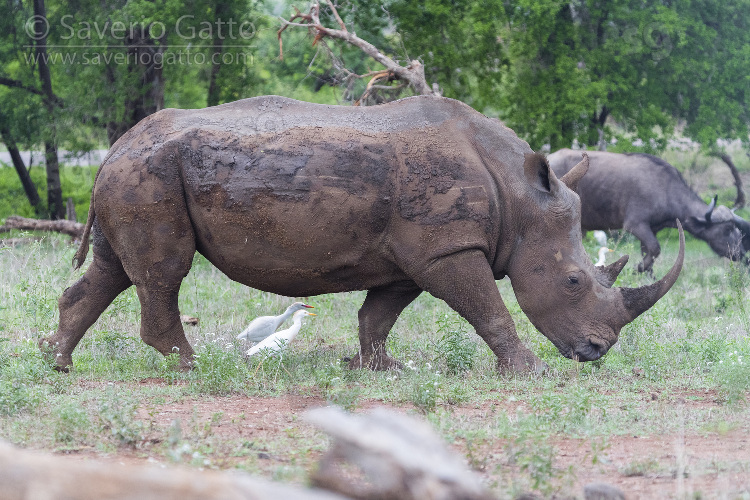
(439, 183)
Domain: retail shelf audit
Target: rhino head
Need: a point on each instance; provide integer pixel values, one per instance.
(722, 230)
(567, 298)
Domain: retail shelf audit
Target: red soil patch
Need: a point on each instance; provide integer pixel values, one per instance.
(645, 467)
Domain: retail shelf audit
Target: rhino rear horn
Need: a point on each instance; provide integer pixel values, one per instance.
(606, 276)
(639, 300)
(574, 175)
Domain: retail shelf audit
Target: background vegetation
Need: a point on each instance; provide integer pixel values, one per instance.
(629, 73)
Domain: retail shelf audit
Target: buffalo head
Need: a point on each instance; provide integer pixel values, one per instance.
(722, 230)
(567, 298)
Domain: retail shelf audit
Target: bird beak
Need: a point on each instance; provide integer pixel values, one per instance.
(310, 307)
(311, 314)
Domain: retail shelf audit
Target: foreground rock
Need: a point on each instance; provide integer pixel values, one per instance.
(400, 458)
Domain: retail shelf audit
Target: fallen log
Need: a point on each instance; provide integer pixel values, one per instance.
(69, 227)
(26, 475)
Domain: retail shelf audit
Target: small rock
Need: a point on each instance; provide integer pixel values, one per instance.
(602, 491)
(189, 320)
(654, 396)
(527, 496)
(264, 456)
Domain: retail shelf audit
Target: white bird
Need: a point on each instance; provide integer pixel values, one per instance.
(601, 238)
(282, 338)
(263, 326)
(602, 256)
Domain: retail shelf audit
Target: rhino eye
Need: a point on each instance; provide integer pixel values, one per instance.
(573, 280)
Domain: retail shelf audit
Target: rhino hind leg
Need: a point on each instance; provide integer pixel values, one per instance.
(377, 316)
(82, 303)
(465, 282)
(650, 248)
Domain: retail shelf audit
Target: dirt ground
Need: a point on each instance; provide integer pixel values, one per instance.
(709, 464)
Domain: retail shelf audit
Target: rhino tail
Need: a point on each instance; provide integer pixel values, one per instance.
(83, 249)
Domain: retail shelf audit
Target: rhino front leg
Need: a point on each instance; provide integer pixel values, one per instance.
(465, 282)
(376, 318)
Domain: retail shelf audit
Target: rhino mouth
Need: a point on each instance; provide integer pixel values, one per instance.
(589, 351)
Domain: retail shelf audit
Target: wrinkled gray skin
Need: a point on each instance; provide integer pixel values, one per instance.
(644, 194)
(298, 199)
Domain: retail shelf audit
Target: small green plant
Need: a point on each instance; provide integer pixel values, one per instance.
(732, 373)
(170, 367)
(71, 423)
(455, 347)
(116, 415)
(535, 458)
(640, 468)
(426, 388)
(218, 369)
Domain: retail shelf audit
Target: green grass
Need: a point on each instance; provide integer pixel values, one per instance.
(76, 183)
(694, 340)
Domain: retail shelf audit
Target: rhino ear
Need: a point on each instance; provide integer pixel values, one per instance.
(574, 174)
(537, 171)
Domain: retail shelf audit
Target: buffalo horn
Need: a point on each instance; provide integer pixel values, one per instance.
(574, 175)
(639, 300)
(711, 208)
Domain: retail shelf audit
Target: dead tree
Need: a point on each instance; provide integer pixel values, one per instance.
(411, 75)
(71, 228)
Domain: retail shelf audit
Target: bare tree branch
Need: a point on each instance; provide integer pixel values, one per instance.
(18, 84)
(413, 74)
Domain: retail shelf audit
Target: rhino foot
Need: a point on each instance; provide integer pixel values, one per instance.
(376, 362)
(522, 362)
(54, 357)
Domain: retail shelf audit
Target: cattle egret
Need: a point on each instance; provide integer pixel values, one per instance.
(601, 238)
(280, 339)
(602, 256)
(262, 327)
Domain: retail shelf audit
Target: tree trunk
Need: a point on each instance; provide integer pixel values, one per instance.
(54, 190)
(148, 97)
(28, 185)
(214, 92)
(739, 202)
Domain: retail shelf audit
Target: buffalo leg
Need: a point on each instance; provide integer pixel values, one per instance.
(465, 282)
(650, 248)
(82, 303)
(377, 316)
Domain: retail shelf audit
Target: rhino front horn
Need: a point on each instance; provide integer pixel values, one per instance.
(574, 174)
(639, 300)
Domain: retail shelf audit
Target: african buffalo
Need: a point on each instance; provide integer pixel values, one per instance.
(298, 199)
(644, 194)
